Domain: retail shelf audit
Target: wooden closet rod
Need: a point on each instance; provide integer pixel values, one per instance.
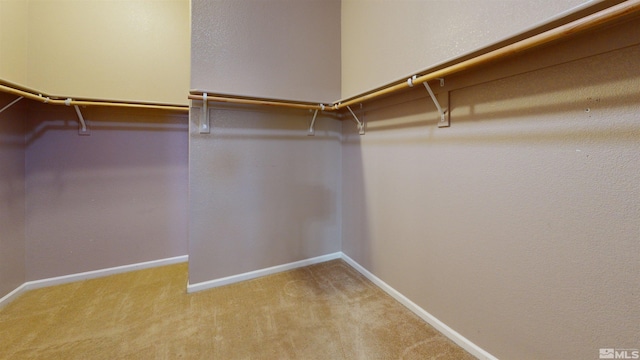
(70, 102)
(590, 21)
(582, 24)
(263, 102)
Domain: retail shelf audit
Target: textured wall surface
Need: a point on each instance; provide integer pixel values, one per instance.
(382, 41)
(130, 50)
(286, 49)
(518, 226)
(116, 197)
(13, 40)
(261, 192)
(12, 195)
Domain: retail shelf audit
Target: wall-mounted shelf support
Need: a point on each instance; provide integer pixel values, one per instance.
(82, 128)
(358, 121)
(204, 117)
(312, 131)
(11, 104)
(444, 114)
(463, 63)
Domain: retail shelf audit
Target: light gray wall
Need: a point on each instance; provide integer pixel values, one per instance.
(12, 194)
(261, 192)
(288, 49)
(519, 225)
(116, 197)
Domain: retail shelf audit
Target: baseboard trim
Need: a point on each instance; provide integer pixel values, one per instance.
(191, 288)
(12, 295)
(59, 280)
(463, 342)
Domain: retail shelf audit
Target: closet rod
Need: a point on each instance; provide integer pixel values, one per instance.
(590, 21)
(244, 101)
(56, 101)
(582, 24)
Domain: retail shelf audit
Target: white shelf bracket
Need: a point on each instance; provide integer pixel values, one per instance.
(11, 104)
(312, 131)
(82, 128)
(358, 121)
(444, 114)
(204, 117)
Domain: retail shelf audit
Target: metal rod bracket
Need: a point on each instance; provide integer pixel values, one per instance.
(312, 131)
(83, 129)
(360, 123)
(444, 116)
(204, 117)
(82, 126)
(11, 104)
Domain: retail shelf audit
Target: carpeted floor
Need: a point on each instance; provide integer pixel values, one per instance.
(324, 311)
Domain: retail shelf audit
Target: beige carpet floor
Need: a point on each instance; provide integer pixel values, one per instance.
(324, 311)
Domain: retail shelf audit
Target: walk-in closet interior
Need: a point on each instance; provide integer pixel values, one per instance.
(477, 160)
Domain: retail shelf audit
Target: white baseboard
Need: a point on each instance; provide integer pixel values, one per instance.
(12, 295)
(259, 273)
(59, 280)
(463, 342)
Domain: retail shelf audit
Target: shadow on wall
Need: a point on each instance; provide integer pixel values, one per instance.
(262, 192)
(271, 123)
(552, 80)
(523, 211)
(12, 135)
(12, 146)
(356, 227)
(579, 91)
(12, 194)
(43, 118)
(115, 197)
(118, 138)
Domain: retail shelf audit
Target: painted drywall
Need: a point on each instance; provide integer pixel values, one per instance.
(116, 197)
(518, 226)
(286, 49)
(12, 195)
(124, 50)
(261, 192)
(13, 40)
(383, 41)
